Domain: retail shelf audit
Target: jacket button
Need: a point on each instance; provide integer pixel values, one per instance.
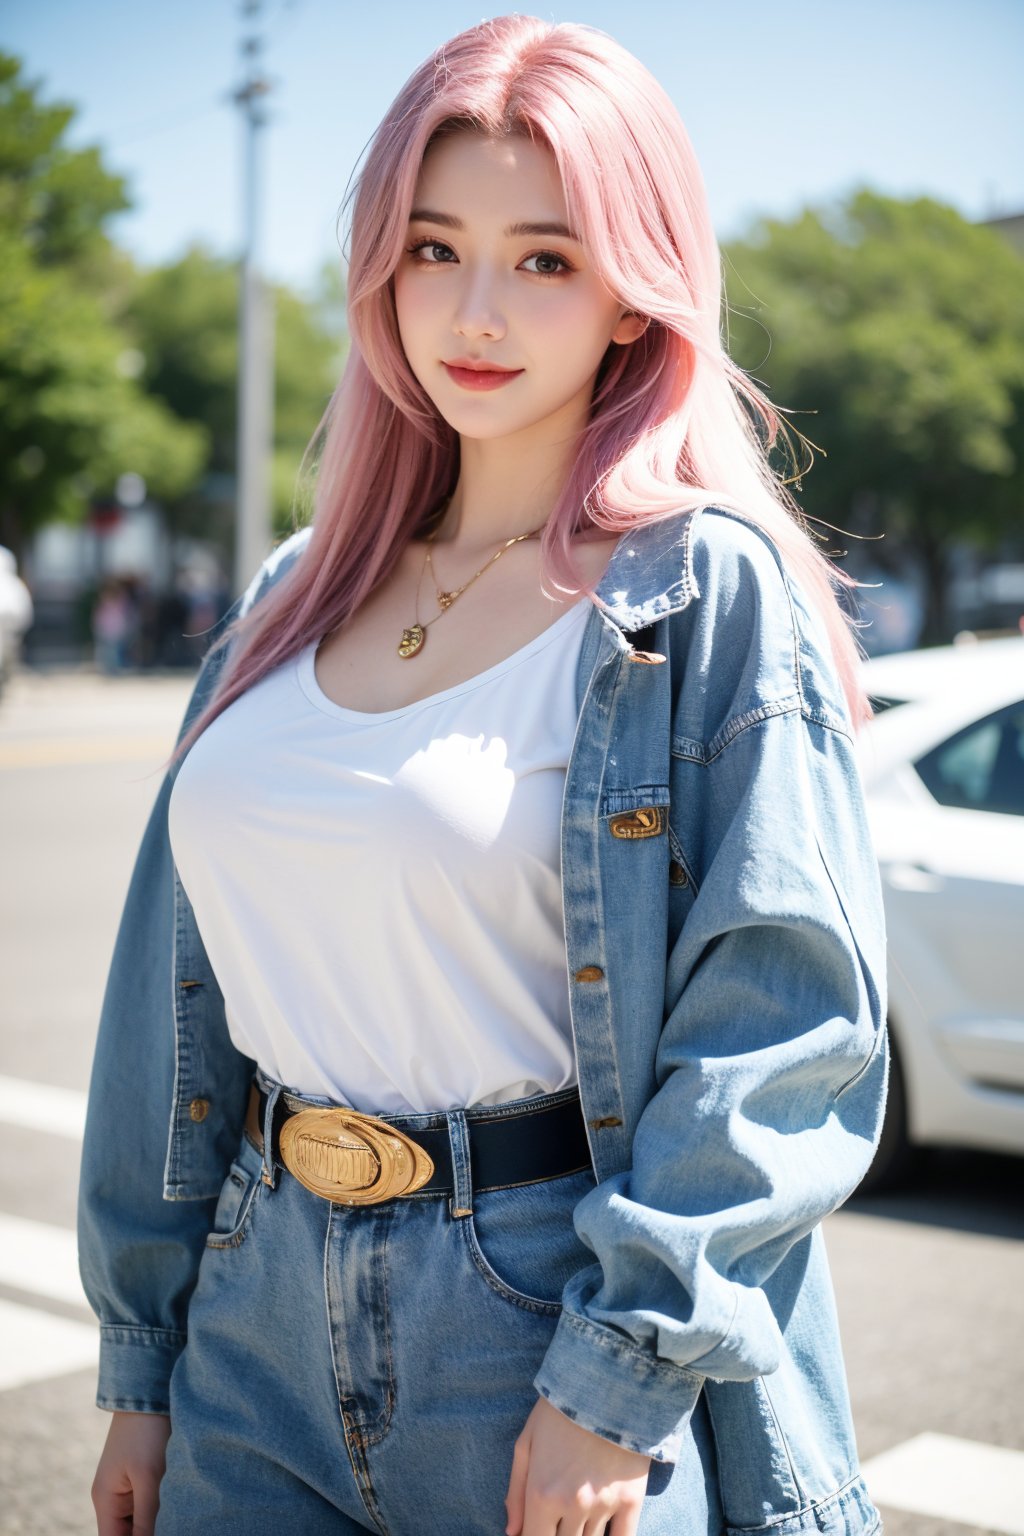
(650, 657)
(590, 973)
(677, 874)
(199, 1109)
(604, 1121)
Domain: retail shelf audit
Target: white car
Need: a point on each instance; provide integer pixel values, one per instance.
(943, 770)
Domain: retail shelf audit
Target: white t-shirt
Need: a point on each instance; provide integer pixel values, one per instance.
(380, 894)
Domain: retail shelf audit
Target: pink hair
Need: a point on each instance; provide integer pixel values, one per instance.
(673, 418)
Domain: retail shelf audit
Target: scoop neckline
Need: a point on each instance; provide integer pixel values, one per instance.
(305, 668)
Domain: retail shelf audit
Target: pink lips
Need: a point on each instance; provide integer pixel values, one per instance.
(469, 374)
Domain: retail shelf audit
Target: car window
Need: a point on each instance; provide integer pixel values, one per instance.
(981, 768)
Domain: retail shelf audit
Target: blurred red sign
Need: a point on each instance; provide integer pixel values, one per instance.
(105, 517)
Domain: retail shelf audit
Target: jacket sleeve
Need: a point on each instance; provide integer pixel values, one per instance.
(771, 1065)
(138, 1253)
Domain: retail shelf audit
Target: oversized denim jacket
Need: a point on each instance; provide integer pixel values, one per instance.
(726, 954)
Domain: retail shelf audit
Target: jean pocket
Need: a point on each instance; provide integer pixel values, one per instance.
(523, 1242)
(237, 1199)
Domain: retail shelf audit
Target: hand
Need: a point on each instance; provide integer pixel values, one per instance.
(568, 1480)
(125, 1488)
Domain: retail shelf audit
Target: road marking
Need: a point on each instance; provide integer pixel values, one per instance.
(84, 749)
(952, 1479)
(34, 1345)
(40, 1258)
(42, 1107)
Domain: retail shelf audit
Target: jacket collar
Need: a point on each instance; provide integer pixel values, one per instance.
(650, 573)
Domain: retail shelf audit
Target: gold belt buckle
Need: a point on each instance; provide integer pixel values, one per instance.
(352, 1158)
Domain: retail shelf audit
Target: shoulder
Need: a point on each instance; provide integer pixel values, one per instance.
(729, 553)
(277, 565)
(750, 639)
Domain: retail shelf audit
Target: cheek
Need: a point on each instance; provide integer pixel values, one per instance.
(411, 311)
(578, 332)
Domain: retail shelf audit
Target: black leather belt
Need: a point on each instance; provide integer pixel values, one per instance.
(356, 1159)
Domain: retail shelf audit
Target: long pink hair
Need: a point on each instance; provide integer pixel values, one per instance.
(674, 422)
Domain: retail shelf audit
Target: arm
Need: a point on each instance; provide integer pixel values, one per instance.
(139, 1253)
(771, 1063)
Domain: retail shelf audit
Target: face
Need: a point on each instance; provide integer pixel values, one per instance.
(503, 320)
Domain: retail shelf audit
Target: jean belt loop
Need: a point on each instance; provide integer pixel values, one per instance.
(460, 1202)
(269, 1173)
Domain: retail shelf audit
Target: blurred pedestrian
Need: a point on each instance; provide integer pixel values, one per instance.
(113, 625)
(16, 614)
(499, 1002)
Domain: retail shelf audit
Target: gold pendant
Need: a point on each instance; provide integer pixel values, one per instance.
(446, 598)
(412, 640)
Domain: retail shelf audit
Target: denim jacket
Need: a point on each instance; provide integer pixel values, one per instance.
(726, 952)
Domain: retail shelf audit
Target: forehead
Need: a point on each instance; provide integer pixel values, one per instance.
(474, 176)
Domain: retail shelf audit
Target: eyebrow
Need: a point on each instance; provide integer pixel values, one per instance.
(513, 231)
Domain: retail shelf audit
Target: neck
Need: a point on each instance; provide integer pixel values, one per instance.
(506, 486)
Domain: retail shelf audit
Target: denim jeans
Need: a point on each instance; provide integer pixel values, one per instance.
(368, 1368)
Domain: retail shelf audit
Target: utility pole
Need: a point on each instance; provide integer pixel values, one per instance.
(255, 331)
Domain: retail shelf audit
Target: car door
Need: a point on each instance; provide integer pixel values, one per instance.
(954, 877)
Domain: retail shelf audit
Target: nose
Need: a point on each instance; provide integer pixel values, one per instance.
(479, 312)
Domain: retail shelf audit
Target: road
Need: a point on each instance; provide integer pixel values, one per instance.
(930, 1284)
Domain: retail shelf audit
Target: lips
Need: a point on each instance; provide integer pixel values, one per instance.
(470, 373)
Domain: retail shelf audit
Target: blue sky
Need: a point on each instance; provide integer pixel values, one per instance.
(787, 102)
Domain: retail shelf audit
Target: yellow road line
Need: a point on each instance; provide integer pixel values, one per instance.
(68, 751)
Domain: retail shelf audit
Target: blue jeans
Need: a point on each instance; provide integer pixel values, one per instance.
(369, 1368)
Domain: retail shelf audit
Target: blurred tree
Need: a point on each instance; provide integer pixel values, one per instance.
(901, 327)
(183, 318)
(72, 415)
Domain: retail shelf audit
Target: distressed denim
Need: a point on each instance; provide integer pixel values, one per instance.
(726, 965)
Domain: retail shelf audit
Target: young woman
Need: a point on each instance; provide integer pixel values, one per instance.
(498, 1005)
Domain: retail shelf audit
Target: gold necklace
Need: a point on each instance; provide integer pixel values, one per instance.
(413, 638)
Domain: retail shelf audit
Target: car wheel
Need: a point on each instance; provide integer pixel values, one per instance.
(895, 1157)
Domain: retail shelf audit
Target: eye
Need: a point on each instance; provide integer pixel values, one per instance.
(419, 247)
(551, 264)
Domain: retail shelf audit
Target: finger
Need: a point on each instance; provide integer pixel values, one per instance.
(542, 1518)
(147, 1502)
(626, 1520)
(515, 1499)
(113, 1512)
(600, 1526)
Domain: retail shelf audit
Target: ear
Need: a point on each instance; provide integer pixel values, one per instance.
(630, 326)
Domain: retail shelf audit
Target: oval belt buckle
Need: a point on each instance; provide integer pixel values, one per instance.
(352, 1158)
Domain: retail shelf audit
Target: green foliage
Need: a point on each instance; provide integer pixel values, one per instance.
(105, 368)
(183, 318)
(55, 198)
(72, 418)
(901, 327)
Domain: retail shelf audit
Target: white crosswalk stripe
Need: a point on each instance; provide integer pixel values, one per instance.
(39, 1259)
(35, 1345)
(41, 1107)
(952, 1479)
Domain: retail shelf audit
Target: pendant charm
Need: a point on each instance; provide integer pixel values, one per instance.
(412, 640)
(446, 599)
